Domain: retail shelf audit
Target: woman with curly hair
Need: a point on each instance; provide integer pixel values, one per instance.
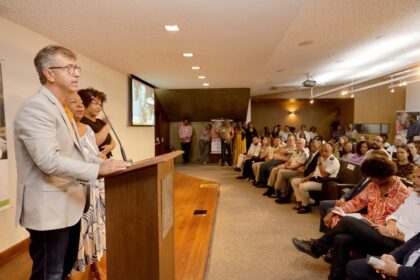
(382, 196)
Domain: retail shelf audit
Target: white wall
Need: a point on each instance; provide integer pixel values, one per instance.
(18, 47)
(412, 97)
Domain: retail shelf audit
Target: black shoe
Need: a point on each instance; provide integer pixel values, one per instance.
(275, 194)
(297, 207)
(256, 183)
(304, 210)
(328, 257)
(305, 247)
(282, 200)
(269, 191)
(236, 169)
(240, 177)
(261, 186)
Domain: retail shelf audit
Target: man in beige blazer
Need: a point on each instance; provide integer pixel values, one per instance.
(52, 169)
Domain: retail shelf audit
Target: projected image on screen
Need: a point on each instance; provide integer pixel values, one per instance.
(143, 103)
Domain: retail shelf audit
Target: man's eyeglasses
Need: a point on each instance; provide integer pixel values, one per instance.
(70, 68)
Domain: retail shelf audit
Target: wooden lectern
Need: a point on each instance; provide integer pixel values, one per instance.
(139, 220)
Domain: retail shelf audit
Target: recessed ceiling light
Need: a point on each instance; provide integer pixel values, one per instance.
(187, 54)
(206, 84)
(344, 92)
(195, 67)
(172, 28)
(306, 43)
(202, 77)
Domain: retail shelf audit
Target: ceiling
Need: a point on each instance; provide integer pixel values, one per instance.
(237, 43)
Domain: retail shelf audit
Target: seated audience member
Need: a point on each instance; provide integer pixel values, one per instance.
(339, 146)
(403, 262)
(266, 154)
(376, 145)
(348, 151)
(93, 101)
(398, 142)
(326, 206)
(307, 168)
(275, 132)
(359, 156)
(302, 132)
(280, 155)
(405, 165)
(251, 156)
(386, 143)
(312, 132)
(327, 167)
(415, 152)
(204, 144)
(250, 132)
(297, 159)
(364, 138)
(373, 234)
(351, 132)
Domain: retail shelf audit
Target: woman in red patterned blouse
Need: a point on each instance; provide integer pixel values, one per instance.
(382, 197)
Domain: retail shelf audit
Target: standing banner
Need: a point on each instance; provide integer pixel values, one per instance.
(4, 164)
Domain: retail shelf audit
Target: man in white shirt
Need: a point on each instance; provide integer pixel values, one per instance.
(253, 153)
(328, 167)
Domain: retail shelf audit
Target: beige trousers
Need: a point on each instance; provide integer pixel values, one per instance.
(302, 189)
(283, 176)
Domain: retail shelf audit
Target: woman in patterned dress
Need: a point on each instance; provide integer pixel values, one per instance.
(92, 233)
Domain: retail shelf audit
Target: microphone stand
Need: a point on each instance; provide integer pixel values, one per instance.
(118, 139)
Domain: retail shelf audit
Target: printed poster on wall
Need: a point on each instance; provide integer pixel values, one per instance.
(4, 165)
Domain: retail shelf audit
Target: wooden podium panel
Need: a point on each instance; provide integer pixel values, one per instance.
(139, 246)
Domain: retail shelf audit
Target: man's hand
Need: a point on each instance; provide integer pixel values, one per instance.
(328, 219)
(390, 268)
(392, 229)
(110, 166)
(300, 170)
(339, 202)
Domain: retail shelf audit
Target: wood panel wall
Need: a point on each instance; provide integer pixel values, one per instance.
(378, 105)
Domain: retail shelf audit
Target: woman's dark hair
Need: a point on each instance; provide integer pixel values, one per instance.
(378, 167)
(405, 147)
(88, 94)
(359, 147)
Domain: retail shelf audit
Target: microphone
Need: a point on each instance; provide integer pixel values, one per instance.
(118, 139)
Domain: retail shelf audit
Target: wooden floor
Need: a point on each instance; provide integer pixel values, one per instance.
(192, 233)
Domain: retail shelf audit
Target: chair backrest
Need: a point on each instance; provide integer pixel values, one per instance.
(349, 173)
